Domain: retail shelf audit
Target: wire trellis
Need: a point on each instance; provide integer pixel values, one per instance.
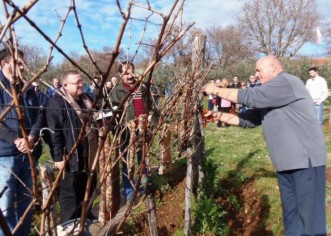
(175, 116)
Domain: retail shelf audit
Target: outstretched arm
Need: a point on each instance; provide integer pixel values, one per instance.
(249, 119)
(227, 118)
(226, 93)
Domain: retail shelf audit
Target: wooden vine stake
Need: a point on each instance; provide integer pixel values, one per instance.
(198, 54)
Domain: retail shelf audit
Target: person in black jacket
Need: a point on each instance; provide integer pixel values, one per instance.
(65, 113)
(15, 170)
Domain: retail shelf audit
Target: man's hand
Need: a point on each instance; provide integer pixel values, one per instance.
(20, 144)
(318, 102)
(24, 146)
(31, 140)
(217, 115)
(210, 89)
(59, 165)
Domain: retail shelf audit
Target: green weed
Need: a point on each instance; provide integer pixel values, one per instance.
(209, 217)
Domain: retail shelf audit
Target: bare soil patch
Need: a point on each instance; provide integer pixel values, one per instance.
(251, 220)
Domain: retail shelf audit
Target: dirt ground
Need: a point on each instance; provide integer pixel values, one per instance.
(248, 222)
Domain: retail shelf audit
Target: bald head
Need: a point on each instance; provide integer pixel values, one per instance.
(267, 68)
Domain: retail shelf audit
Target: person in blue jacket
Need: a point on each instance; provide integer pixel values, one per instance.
(56, 85)
(15, 169)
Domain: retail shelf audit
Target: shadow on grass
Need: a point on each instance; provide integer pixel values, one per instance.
(246, 210)
(209, 152)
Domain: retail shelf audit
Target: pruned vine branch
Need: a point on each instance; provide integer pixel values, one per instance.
(176, 113)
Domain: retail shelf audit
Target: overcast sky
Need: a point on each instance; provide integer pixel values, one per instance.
(100, 20)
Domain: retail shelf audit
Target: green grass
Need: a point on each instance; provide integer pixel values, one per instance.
(235, 157)
(238, 156)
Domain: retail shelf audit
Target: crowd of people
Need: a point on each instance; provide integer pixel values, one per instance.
(63, 108)
(316, 86)
(217, 104)
(290, 112)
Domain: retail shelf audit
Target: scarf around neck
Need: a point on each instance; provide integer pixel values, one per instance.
(91, 133)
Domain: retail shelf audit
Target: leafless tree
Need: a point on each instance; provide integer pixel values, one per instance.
(279, 27)
(35, 57)
(180, 54)
(101, 57)
(178, 60)
(226, 46)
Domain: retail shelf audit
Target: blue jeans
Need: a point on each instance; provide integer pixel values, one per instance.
(127, 186)
(319, 111)
(17, 197)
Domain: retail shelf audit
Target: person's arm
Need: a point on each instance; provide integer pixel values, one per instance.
(279, 91)
(226, 93)
(308, 84)
(227, 118)
(36, 113)
(54, 118)
(24, 146)
(249, 119)
(114, 97)
(8, 135)
(325, 90)
(11, 136)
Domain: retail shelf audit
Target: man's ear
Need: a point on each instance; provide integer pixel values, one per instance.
(2, 63)
(273, 66)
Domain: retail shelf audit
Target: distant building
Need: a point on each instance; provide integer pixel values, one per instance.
(321, 61)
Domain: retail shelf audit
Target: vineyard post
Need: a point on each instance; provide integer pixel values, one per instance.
(198, 54)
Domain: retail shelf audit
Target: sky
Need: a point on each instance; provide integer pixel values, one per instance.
(101, 21)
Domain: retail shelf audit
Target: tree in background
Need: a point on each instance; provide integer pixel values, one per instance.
(226, 46)
(181, 53)
(35, 58)
(327, 38)
(101, 57)
(174, 64)
(279, 27)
